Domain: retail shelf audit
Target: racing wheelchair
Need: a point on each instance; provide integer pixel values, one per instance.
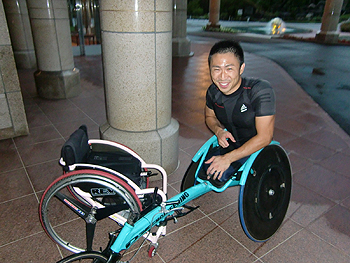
(105, 184)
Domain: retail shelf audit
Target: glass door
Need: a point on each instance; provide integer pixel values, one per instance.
(85, 27)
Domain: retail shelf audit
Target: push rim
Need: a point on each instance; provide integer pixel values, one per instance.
(65, 222)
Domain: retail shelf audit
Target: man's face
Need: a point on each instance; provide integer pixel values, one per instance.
(225, 72)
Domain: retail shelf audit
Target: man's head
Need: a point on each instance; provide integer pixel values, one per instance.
(226, 64)
(227, 46)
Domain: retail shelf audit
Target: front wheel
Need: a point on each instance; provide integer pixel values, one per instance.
(85, 257)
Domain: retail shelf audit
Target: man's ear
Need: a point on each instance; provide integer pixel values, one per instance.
(241, 70)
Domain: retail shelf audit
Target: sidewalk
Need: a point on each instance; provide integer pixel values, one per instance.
(316, 228)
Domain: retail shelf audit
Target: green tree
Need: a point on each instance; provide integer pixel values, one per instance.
(197, 7)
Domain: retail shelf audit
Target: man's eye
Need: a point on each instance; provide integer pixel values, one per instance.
(229, 69)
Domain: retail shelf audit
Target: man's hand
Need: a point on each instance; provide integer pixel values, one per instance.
(219, 164)
(222, 136)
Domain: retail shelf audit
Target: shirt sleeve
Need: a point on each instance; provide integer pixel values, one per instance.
(209, 100)
(263, 99)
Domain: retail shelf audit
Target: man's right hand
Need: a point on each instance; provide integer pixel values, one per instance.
(223, 136)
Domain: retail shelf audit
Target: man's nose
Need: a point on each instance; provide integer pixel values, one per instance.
(223, 74)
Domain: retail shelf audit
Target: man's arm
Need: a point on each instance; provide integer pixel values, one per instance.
(264, 127)
(217, 128)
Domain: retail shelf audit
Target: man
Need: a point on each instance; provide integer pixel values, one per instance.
(239, 111)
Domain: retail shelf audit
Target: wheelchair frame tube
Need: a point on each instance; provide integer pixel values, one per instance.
(131, 233)
(248, 164)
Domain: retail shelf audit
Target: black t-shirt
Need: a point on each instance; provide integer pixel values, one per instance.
(237, 111)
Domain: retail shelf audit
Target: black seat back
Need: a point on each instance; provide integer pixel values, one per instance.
(76, 149)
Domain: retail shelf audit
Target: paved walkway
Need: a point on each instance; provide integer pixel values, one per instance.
(317, 225)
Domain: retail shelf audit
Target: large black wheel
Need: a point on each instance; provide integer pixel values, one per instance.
(75, 210)
(264, 198)
(190, 176)
(85, 257)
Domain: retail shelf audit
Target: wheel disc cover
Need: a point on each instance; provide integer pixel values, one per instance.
(270, 194)
(264, 198)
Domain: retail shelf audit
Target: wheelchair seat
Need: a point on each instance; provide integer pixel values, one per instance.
(77, 150)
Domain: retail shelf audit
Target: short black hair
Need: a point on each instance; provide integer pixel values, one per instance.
(226, 46)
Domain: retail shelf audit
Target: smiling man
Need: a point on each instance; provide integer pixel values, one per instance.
(239, 111)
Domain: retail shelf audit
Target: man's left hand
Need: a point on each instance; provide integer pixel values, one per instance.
(219, 164)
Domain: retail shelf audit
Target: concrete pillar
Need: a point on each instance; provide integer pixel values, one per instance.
(13, 120)
(214, 14)
(330, 20)
(137, 57)
(181, 43)
(20, 33)
(56, 77)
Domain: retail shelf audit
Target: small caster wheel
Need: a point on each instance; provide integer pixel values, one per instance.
(152, 250)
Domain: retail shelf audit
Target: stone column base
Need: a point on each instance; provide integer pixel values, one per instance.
(327, 37)
(155, 147)
(58, 84)
(182, 47)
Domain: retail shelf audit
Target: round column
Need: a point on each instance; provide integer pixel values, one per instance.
(181, 43)
(13, 120)
(136, 48)
(214, 14)
(56, 77)
(20, 32)
(330, 19)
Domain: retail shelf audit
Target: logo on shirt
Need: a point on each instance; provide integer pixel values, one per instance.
(244, 108)
(220, 106)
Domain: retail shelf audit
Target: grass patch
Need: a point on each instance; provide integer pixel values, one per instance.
(223, 29)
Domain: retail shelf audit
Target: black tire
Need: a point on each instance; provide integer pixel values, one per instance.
(66, 216)
(189, 177)
(264, 199)
(85, 257)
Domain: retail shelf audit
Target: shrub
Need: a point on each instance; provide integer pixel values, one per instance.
(345, 27)
(344, 17)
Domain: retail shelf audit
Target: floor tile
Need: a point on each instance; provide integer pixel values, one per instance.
(298, 162)
(334, 228)
(283, 136)
(305, 247)
(33, 249)
(338, 162)
(306, 206)
(325, 182)
(38, 134)
(14, 184)
(41, 152)
(10, 159)
(295, 127)
(309, 150)
(19, 219)
(327, 139)
(43, 174)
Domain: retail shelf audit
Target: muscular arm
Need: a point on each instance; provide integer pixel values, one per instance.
(264, 127)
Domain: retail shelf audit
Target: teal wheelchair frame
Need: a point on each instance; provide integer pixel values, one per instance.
(265, 187)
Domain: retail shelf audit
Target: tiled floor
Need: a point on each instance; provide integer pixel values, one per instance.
(317, 225)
